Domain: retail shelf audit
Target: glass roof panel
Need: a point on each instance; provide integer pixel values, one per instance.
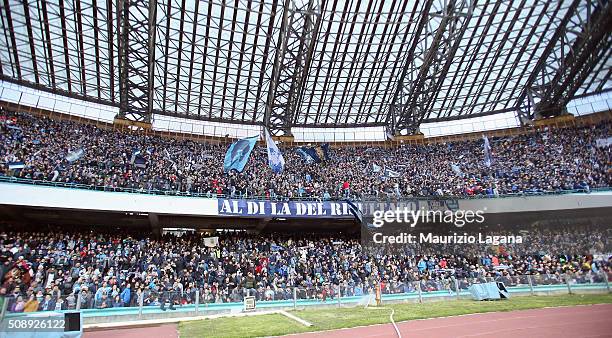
(214, 59)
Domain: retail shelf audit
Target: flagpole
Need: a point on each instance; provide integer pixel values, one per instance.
(490, 161)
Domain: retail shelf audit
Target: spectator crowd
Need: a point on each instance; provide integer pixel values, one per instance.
(62, 270)
(58, 270)
(540, 161)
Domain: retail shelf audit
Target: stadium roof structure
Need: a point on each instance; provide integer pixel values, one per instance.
(317, 63)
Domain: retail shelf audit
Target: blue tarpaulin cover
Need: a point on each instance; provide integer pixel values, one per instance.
(484, 291)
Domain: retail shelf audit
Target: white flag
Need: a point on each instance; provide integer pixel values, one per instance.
(275, 158)
(488, 158)
(75, 155)
(211, 242)
(456, 170)
(391, 173)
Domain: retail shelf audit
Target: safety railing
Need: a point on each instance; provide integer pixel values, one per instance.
(205, 300)
(37, 302)
(10, 179)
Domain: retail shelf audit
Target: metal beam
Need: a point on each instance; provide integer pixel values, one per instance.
(295, 46)
(96, 31)
(476, 90)
(62, 12)
(9, 19)
(604, 64)
(216, 68)
(387, 37)
(523, 48)
(397, 64)
(179, 55)
(589, 46)
(111, 49)
(245, 31)
(527, 99)
(203, 71)
(428, 61)
(151, 57)
(331, 62)
(355, 57)
(269, 65)
(166, 54)
(193, 44)
(264, 62)
(137, 56)
(58, 91)
(81, 53)
(45, 26)
(229, 62)
(322, 53)
(28, 22)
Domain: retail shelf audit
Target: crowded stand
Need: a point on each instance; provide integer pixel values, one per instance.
(56, 270)
(547, 160)
(96, 270)
(189, 169)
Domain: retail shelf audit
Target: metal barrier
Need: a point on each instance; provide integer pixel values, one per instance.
(198, 300)
(9, 179)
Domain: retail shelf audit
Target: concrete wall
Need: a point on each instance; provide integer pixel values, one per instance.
(80, 199)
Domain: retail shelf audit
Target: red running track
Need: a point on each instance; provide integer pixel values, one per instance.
(161, 331)
(577, 321)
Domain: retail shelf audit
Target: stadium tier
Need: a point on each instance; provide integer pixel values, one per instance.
(545, 160)
(55, 271)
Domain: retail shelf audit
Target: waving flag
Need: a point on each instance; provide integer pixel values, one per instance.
(211, 242)
(306, 155)
(315, 154)
(355, 211)
(75, 155)
(16, 165)
(275, 158)
(456, 170)
(391, 173)
(488, 159)
(238, 153)
(603, 142)
(140, 162)
(323, 151)
(135, 153)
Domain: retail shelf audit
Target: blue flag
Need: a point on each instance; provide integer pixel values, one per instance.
(135, 152)
(16, 165)
(306, 155)
(316, 154)
(274, 247)
(355, 211)
(488, 159)
(324, 152)
(238, 153)
(140, 162)
(391, 173)
(275, 158)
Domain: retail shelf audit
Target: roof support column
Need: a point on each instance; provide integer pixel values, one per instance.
(580, 42)
(295, 46)
(136, 61)
(428, 60)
